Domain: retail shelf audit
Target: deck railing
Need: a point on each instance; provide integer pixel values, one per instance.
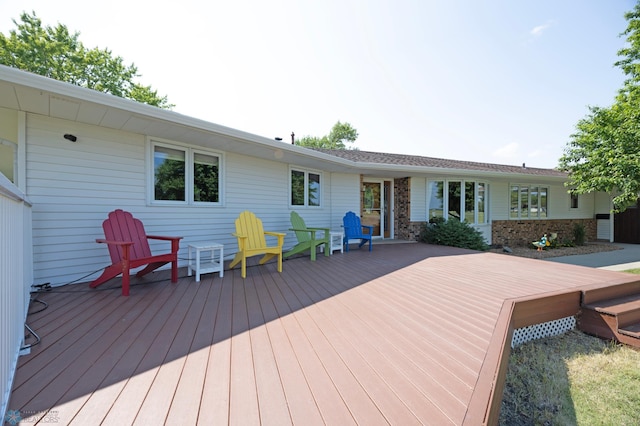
(16, 277)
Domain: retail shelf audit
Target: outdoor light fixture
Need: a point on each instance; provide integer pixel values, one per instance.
(70, 137)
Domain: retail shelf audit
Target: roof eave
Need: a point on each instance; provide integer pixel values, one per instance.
(439, 171)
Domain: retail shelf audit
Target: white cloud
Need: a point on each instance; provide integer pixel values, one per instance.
(538, 30)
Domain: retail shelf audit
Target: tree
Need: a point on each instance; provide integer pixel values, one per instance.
(604, 153)
(340, 135)
(58, 54)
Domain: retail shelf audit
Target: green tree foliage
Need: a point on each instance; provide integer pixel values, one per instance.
(604, 153)
(341, 134)
(56, 53)
(170, 178)
(452, 233)
(206, 183)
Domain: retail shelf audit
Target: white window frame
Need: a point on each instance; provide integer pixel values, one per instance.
(529, 187)
(306, 187)
(190, 152)
(445, 202)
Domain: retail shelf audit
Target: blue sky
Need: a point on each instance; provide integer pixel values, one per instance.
(499, 81)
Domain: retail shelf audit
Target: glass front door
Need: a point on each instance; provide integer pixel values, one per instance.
(372, 211)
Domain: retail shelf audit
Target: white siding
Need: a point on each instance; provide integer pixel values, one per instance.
(418, 199)
(345, 196)
(499, 204)
(603, 205)
(485, 230)
(559, 201)
(73, 186)
(560, 204)
(602, 202)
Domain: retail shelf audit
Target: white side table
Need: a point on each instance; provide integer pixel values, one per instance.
(335, 241)
(209, 257)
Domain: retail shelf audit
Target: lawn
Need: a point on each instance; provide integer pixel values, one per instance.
(572, 379)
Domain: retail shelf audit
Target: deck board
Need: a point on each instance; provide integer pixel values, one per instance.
(399, 335)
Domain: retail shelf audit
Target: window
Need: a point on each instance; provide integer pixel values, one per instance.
(463, 200)
(170, 174)
(574, 201)
(185, 175)
(482, 189)
(305, 188)
(206, 177)
(528, 202)
(524, 202)
(435, 199)
(455, 192)
(469, 201)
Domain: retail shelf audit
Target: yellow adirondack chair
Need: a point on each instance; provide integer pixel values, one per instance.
(307, 238)
(252, 242)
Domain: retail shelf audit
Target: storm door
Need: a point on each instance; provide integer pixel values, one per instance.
(375, 211)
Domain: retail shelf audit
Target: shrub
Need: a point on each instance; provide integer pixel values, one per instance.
(579, 234)
(452, 233)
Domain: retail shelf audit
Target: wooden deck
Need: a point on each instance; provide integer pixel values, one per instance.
(406, 334)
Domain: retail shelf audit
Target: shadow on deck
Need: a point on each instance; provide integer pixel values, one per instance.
(408, 333)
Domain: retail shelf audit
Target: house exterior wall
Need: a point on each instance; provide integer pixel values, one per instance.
(559, 201)
(498, 200)
(418, 199)
(501, 229)
(345, 196)
(9, 125)
(405, 227)
(8, 137)
(602, 203)
(604, 220)
(74, 185)
(524, 232)
(561, 217)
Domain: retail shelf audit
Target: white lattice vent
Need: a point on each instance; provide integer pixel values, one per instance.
(545, 329)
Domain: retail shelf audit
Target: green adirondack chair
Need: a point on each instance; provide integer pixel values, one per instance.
(308, 239)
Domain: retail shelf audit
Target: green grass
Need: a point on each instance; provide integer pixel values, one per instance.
(572, 379)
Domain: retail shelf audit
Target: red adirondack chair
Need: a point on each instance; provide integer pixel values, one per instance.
(129, 248)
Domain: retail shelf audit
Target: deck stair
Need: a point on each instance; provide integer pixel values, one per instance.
(612, 312)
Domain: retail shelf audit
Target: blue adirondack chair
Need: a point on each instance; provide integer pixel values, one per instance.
(354, 230)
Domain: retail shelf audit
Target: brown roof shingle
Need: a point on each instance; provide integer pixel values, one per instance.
(418, 161)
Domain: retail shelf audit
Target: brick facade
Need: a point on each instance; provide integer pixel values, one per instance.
(523, 232)
(404, 229)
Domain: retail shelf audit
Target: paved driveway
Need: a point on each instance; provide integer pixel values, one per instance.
(617, 260)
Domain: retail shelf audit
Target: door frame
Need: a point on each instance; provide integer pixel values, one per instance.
(386, 205)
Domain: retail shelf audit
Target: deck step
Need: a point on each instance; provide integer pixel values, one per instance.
(616, 318)
(596, 295)
(632, 330)
(626, 308)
